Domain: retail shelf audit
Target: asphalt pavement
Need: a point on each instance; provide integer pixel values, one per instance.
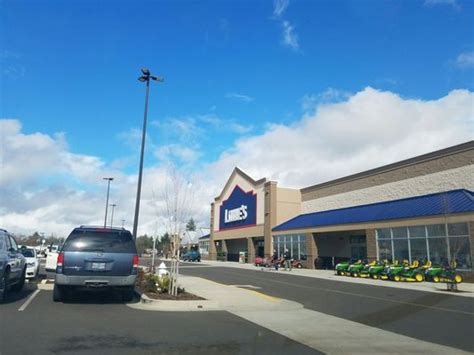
(437, 318)
(100, 323)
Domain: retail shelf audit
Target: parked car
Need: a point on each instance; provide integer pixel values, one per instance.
(51, 259)
(97, 258)
(32, 262)
(192, 255)
(12, 265)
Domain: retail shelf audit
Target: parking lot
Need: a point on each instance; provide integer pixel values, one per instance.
(100, 323)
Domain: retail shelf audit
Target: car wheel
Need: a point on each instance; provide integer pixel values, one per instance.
(57, 293)
(127, 294)
(4, 285)
(19, 286)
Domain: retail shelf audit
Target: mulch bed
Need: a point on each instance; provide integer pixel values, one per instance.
(184, 296)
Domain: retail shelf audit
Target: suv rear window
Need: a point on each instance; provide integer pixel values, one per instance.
(103, 241)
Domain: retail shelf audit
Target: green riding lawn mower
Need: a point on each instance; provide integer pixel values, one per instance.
(400, 271)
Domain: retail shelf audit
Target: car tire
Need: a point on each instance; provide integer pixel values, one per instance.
(57, 293)
(127, 294)
(19, 286)
(4, 286)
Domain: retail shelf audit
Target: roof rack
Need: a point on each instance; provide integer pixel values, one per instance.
(100, 227)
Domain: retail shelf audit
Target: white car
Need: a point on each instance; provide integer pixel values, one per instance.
(51, 260)
(32, 262)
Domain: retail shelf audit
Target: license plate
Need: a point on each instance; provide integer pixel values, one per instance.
(98, 266)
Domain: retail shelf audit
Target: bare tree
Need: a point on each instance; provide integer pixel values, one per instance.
(178, 200)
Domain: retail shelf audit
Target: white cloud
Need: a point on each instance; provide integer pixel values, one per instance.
(51, 189)
(369, 129)
(330, 95)
(290, 38)
(239, 97)
(465, 60)
(170, 151)
(279, 7)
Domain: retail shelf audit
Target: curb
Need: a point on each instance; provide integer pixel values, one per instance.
(147, 303)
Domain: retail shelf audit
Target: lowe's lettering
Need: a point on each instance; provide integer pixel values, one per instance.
(236, 214)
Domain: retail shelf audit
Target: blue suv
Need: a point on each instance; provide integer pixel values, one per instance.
(12, 265)
(95, 257)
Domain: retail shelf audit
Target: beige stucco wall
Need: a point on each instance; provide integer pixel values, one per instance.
(462, 177)
(288, 204)
(255, 231)
(237, 179)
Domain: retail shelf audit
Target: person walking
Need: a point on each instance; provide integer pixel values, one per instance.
(275, 260)
(287, 257)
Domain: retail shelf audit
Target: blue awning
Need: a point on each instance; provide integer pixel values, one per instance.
(449, 202)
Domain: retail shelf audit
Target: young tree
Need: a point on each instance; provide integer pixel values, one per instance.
(178, 200)
(191, 225)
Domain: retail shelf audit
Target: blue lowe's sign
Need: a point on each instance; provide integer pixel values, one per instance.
(239, 210)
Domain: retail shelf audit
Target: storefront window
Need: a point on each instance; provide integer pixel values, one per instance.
(458, 229)
(460, 252)
(295, 243)
(438, 250)
(400, 233)
(428, 242)
(417, 232)
(400, 247)
(436, 230)
(385, 249)
(418, 249)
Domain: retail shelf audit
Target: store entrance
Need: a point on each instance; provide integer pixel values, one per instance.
(334, 247)
(234, 247)
(260, 248)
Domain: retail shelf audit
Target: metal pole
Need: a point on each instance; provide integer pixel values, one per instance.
(107, 201)
(112, 217)
(140, 172)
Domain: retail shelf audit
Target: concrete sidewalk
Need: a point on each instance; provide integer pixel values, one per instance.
(317, 330)
(465, 289)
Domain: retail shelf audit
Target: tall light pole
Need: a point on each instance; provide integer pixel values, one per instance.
(144, 78)
(112, 217)
(109, 179)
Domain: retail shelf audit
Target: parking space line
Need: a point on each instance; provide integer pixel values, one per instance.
(28, 301)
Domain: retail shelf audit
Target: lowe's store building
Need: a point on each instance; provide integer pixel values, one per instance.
(416, 209)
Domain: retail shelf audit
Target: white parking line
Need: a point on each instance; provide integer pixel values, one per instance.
(28, 301)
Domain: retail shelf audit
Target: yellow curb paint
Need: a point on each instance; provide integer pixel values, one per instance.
(267, 297)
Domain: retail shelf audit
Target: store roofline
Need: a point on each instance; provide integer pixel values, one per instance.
(424, 206)
(239, 171)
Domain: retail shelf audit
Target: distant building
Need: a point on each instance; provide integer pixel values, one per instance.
(190, 239)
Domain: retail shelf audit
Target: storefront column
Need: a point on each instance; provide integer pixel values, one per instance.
(250, 250)
(471, 240)
(212, 249)
(371, 244)
(311, 250)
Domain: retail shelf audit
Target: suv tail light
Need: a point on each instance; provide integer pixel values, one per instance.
(135, 261)
(60, 259)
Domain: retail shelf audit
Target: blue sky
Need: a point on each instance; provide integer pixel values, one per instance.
(234, 70)
(73, 65)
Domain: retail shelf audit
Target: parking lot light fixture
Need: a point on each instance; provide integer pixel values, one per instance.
(109, 179)
(143, 78)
